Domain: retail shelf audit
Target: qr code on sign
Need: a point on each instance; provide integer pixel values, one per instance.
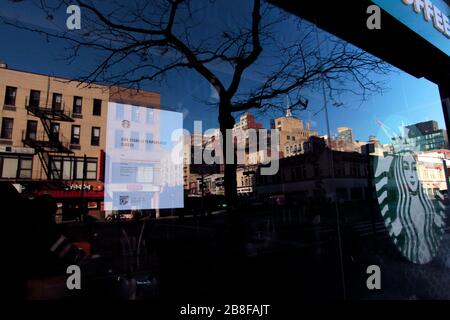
(123, 200)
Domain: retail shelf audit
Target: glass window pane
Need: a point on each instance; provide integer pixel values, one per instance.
(79, 169)
(92, 166)
(68, 170)
(26, 164)
(25, 174)
(9, 167)
(91, 175)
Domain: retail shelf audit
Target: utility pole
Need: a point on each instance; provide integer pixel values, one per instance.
(370, 148)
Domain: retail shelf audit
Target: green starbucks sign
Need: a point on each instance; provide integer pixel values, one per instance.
(415, 220)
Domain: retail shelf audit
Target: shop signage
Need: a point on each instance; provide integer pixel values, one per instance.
(428, 18)
(78, 187)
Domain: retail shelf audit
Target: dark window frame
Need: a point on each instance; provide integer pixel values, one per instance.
(73, 174)
(77, 109)
(30, 131)
(95, 141)
(8, 102)
(97, 107)
(32, 101)
(7, 132)
(55, 134)
(73, 138)
(57, 106)
(19, 169)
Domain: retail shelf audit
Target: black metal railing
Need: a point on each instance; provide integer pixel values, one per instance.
(54, 112)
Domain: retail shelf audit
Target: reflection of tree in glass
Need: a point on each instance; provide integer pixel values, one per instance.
(251, 54)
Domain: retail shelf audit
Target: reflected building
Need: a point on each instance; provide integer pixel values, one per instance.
(425, 136)
(53, 133)
(194, 170)
(431, 171)
(345, 134)
(308, 176)
(293, 133)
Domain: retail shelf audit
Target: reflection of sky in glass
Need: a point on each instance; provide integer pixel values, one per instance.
(170, 121)
(405, 99)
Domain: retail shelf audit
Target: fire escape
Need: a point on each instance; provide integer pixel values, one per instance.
(49, 142)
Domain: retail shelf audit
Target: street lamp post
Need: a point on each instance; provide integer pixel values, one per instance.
(369, 149)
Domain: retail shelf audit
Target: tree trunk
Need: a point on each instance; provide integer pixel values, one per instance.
(226, 121)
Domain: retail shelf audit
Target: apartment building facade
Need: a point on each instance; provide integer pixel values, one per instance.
(293, 133)
(54, 130)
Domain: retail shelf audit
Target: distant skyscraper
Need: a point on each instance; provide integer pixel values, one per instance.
(345, 134)
(426, 136)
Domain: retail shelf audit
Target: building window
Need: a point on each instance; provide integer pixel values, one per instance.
(68, 169)
(95, 136)
(35, 96)
(54, 130)
(9, 167)
(31, 130)
(75, 136)
(25, 168)
(97, 109)
(79, 175)
(57, 102)
(91, 169)
(7, 128)
(55, 169)
(10, 96)
(73, 168)
(77, 104)
(16, 167)
(135, 114)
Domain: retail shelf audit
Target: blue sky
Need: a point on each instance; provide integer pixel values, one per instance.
(406, 100)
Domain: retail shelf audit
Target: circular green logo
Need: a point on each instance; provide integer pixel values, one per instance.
(415, 220)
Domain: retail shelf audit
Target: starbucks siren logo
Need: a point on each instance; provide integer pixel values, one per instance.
(416, 223)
